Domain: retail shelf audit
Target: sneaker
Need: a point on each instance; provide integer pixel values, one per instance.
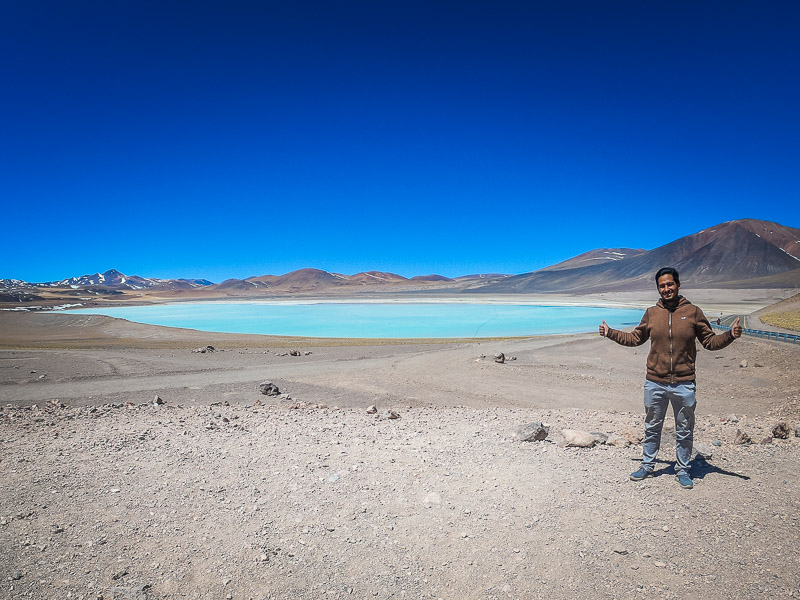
(640, 474)
(684, 480)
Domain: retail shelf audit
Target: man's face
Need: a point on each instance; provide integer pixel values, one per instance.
(667, 288)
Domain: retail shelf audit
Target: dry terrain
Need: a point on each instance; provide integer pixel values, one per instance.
(222, 492)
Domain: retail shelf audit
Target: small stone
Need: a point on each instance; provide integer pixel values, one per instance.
(622, 551)
(16, 576)
(294, 353)
(617, 440)
(333, 478)
(432, 499)
(732, 419)
(703, 449)
(716, 443)
(157, 401)
(532, 432)
(660, 564)
(390, 414)
(767, 440)
(741, 438)
(797, 431)
(500, 358)
(781, 431)
(743, 364)
(634, 436)
(576, 438)
(372, 409)
(600, 437)
(269, 389)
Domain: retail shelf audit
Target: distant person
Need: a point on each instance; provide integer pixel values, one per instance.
(719, 321)
(672, 326)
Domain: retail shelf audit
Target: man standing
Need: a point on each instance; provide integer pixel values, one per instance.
(672, 326)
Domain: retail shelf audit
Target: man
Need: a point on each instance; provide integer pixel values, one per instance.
(672, 326)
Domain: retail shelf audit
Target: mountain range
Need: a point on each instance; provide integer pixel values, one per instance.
(745, 253)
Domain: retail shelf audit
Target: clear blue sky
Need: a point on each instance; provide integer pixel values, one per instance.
(230, 139)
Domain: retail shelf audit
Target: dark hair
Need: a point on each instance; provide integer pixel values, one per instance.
(668, 271)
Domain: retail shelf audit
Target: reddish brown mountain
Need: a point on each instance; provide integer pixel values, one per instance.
(745, 253)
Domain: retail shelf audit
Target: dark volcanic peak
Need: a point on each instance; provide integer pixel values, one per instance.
(432, 277)
(482, 277)
(736, 251)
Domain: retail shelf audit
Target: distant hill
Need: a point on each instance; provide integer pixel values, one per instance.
(745, 253)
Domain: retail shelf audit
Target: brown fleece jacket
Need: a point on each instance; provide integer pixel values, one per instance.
(672, 334)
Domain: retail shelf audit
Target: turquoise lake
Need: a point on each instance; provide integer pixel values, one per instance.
(376, 320)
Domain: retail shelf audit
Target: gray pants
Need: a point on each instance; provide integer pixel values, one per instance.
(656, 398)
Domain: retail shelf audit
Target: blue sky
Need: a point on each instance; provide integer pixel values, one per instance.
(230, 139)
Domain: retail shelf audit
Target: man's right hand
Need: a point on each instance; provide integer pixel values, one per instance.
(604, 329)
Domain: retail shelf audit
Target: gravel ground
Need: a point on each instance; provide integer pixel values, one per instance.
(222, 492)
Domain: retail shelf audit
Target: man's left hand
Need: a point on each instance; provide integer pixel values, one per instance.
(736, 328)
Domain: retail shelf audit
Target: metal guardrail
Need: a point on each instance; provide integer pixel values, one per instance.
(767, 335)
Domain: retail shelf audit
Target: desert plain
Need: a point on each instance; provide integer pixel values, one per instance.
(218, 491)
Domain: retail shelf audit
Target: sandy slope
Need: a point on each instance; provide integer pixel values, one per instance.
(223, 492)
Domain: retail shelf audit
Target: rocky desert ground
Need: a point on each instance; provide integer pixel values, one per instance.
(216, 490)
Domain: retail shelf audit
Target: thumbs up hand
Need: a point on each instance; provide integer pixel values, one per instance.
(736, 328)
(604, 329)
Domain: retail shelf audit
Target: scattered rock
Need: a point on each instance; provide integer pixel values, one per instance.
(307, 353)
(732, 419)
(766, 440)
(500, 358)
(716, 443)
(600, 437)
(157, 401)
(204, 349)
(372, 409)
(532, 432)
(741, 438)
(432, 499)
(269, 389)
(634, 436)
(389, 414)
(617, 440)
(294, 353)
(575, 438)
(743, 364)
(781, 431)
(703, 449)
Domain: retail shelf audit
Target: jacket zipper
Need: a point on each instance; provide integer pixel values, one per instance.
(671, 369)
